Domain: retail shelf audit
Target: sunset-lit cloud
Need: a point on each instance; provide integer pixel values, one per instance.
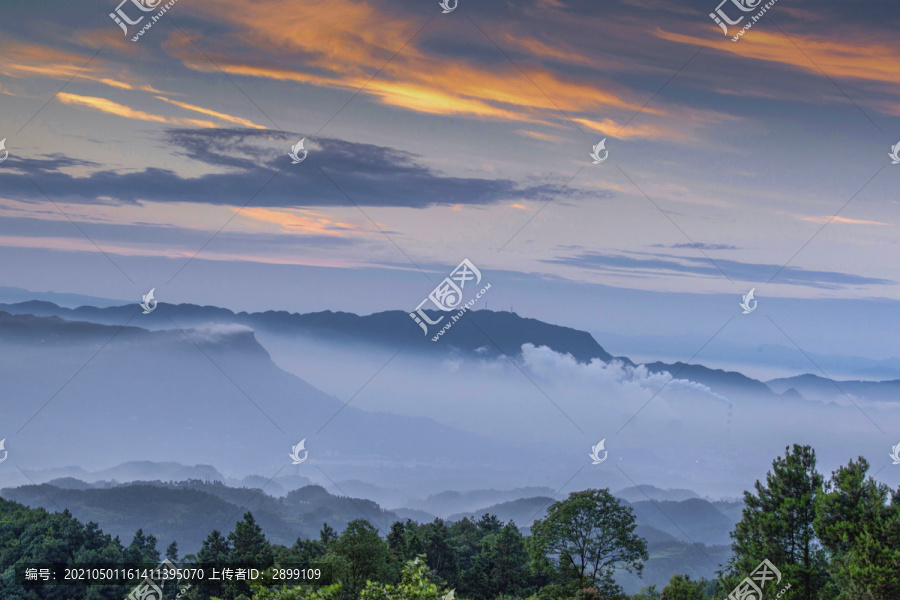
(114, 108)
(148, 250)
(845, 57)
(212, 113)
(34, 60)
(455, 90)
(345, 52)
(609, 127)
(299, 221)
(680, 124)
(446, 130)
(844, 220)
(544, 137)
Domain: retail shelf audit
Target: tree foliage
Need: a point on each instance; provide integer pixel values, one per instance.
(414, 585)
(831, 540)
(858, 521)
(587, 536)
(778, 524)
(681, 587)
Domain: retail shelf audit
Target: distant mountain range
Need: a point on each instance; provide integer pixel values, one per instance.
(651, 492)
(199, 388)
(483, 333)
(164, 509)
(486, 333)
(449, 504)
(693, 520)
(15, 294)
(813, 387)
(688, 536)
(210, 396)
(145, 470)
(188, 511)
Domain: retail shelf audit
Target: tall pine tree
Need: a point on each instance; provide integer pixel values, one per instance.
(778, 524)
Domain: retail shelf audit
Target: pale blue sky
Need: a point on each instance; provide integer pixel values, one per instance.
(434, 138)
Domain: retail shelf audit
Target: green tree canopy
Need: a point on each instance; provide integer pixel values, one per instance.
(414, 585)
(861, 529)
(589, 535)
(778, 524)
(361, 555)
(681, 587)
(501, 565)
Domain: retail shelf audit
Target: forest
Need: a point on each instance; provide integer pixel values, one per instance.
(801, 536)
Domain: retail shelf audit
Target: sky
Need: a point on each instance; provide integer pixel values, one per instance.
(431, 137)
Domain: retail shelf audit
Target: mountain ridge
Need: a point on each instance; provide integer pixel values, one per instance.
(483, 333)
(206, 378)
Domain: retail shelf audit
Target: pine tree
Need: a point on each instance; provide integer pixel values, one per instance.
(327, 534)
(440, 555)
(142, 549)
(778, 524)
(501, 565)
(249, 545)
(215, 553)
(862, 532)
(249, 549)
(172, 551)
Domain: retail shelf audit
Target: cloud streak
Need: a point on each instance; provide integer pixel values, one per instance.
(653, 265)
(120, 110)
(354, 174)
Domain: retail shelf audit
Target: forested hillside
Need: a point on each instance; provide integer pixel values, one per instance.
(828, 539)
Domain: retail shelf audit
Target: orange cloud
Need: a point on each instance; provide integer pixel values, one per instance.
(114, 108)
(610, 127)
(83, 245)
(860, 58)
(822, 220)
(298, 221)
(32, 60)
(562, 52)
(679, 125)
(344, 44)
(212, 113)
(544, 137)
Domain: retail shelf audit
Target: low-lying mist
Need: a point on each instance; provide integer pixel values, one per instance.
(659, 429)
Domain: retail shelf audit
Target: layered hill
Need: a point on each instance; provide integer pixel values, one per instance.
(481, 334)
(89, 394)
